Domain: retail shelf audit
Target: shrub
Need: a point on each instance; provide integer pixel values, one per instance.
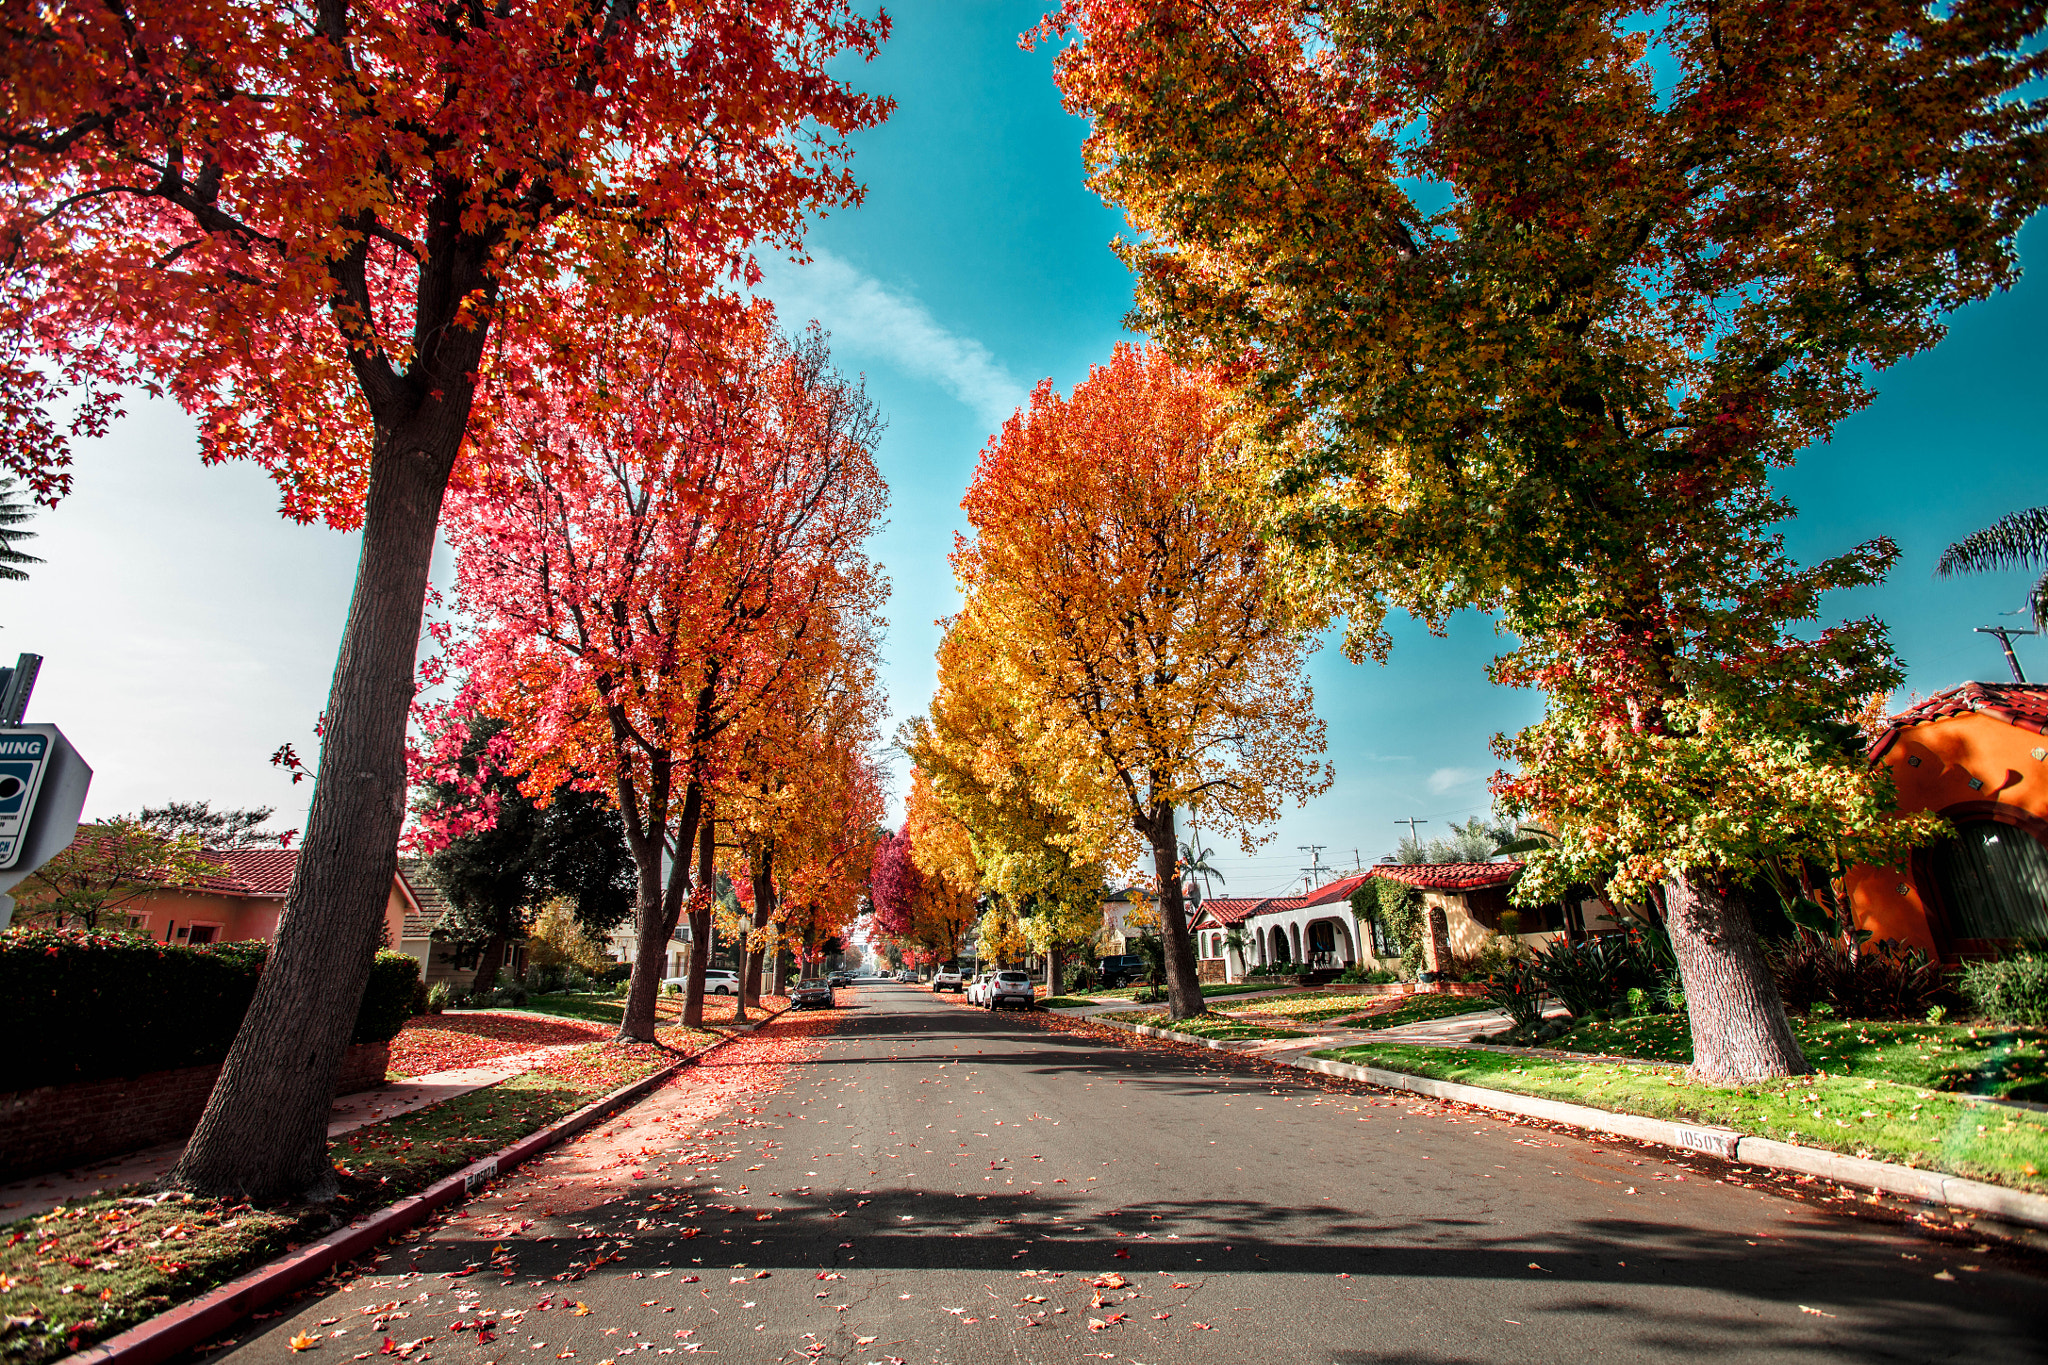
(388, 999)
(545, 979)
(98, 1005)
(575, 980)
(613, 974)
(2012, 990)
(1518, 989)
(1360, 975)
(1079, 977)
(438, 997)
(1888, 980)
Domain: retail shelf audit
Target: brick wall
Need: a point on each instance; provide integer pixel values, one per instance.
(60, 1127)
(1209, 968)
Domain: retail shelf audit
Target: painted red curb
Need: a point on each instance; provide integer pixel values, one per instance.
(181, 1328)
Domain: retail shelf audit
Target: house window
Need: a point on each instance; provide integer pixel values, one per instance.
(1993, 880)
(202, 933)
(1382, 941)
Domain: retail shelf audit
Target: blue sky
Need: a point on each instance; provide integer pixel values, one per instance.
(190, 631)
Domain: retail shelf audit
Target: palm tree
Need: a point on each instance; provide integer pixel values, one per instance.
(2015, 540)
(1194, 862)
(14, 510)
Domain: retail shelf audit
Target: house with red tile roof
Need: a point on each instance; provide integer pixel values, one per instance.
(1315, 929)
(245, 898)
(1978, 755)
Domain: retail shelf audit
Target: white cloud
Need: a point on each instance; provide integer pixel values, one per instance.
(865, 315)
(1450, 779)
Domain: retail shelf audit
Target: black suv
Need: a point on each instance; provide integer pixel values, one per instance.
(1122, 970)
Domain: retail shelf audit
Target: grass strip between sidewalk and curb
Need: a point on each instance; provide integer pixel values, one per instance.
(2016, 1202)
(1862, 1117)
(152, 1276)
(1207, 1026)
(1398, 1009)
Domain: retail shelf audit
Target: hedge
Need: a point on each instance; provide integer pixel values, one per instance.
(77, 1005)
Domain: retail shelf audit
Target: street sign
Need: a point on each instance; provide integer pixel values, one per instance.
(42, 790)
(24, 757)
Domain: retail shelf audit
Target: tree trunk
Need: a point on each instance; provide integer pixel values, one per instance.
(487, 965)
(764, 914)
(701, 898)
(1052, 969)
(1183, 982)
(657, 909)
(263, 1135)
(1739, 1029)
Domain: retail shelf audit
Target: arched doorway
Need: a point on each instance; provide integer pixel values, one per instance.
(1992, 878)
(1280, 953)
(1322, 943)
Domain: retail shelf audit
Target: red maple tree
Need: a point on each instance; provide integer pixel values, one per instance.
(328, 231)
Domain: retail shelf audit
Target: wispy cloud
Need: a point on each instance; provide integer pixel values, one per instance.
(1445, 780)
(865, 315)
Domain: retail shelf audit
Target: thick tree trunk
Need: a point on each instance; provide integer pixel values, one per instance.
(264, 1133)
(487, 965)
(1183, 981)
(764, 914)
(1052, 969)
(658, 907)
(700, 916)
(1739, 1029)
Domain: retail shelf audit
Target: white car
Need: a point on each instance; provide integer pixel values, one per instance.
(1008, 988)
(717, 981)
(948, 979)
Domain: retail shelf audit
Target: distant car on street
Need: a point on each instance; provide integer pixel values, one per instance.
(1009, 988)
(840, 979)
(1122, 969)
(812, 993)
(717, 981)
(948, 979)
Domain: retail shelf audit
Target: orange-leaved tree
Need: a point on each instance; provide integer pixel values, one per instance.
(656, 565)
(323, 230)
(1123, 602)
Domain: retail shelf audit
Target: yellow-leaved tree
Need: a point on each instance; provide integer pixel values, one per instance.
(1121, 605)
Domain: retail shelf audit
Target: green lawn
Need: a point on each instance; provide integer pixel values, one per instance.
(87, 1270)
(1315, 1007)
(1418, 1009)
(1220, 1026)
(1864, 1116)
(1209, 991)
(1970, 1059)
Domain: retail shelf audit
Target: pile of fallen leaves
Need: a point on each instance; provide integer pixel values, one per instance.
(442, 1042)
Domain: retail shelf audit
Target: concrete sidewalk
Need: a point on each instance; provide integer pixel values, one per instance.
(38, 1194)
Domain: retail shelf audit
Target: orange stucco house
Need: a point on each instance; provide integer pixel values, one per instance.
(1978, 755)
(246, 897)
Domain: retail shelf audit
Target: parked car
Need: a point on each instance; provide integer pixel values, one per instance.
(977, 989)
(948, 979)
(717, 981)
(840, 979)
(1009, 988)
(812, 993)
(1122, 969)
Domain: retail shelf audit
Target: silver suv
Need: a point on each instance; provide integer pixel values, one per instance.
(1008, 988)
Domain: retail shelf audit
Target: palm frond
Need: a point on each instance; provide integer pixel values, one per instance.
(2016, 539)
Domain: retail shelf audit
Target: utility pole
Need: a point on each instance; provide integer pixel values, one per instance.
(1413, 837)
(1312, 873)
(2005, 634)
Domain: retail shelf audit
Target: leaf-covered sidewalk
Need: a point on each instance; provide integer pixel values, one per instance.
(91, 1268)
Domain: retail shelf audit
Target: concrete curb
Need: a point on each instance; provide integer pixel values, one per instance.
(1952, 1191)
(181, 1328)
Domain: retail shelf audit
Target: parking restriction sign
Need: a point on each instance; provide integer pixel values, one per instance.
(24, 755)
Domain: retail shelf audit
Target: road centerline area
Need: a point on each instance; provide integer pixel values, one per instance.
(904, 1179)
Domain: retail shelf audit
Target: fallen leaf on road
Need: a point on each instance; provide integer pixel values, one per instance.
(1203, 1327)
(582, 1310)
(1097, 1325)
(1815, 1311)
(1944, 1275)
(306, 1342)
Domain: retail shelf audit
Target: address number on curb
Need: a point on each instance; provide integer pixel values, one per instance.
(476, 1179)
(1713, 1141)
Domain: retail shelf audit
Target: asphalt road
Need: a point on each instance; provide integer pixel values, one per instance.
(939, 1184)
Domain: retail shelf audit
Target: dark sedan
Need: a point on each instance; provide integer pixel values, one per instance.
(812, 994)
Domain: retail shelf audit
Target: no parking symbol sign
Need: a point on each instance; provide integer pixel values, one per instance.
(24, 755)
